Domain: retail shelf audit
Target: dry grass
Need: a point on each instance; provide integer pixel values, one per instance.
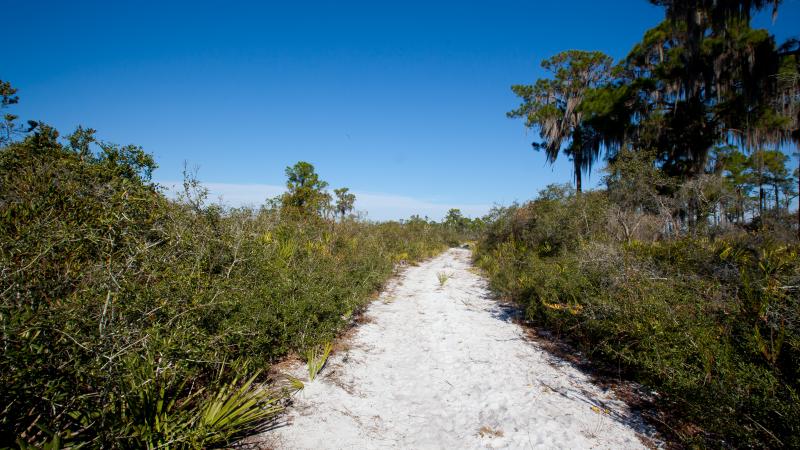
(489, 432)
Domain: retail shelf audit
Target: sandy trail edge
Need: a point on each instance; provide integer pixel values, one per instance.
(445, 367)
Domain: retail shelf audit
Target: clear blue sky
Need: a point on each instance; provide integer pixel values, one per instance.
(403, 102)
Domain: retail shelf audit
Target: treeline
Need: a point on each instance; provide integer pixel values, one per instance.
(699, 88)
(132, 320)
(683, 270)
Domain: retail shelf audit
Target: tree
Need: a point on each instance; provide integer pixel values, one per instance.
(694, 91)
(701, 14)
(7, 97)
(735, 172)
(344, 201)
(305, 191)
(787, 100)
(553, 106)
(792, 190)
(454, 219)
(633, 183)
(776, 173)
(768, 167)
(8, 126)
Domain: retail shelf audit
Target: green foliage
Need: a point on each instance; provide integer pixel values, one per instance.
(7, 97)
(237, 409)
(8, 125)
(7, 94)
(455, 219)
(305, 191)
(345, 200)
(443, 277)
(553, 107)
(694, 83)
(556, 222)
(758, 187)
(130, 321)
(712, 325)
(701, 78)
(316, 359)
(460, 227)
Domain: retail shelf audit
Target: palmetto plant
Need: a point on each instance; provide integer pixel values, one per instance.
(236, 408)
(161, 413)
(317, 357)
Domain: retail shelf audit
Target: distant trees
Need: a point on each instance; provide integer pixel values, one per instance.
(768, 168)
(454, 219)
(305, 192)
(345, 201)
(7, 97)
(8, 125)
(787, 100)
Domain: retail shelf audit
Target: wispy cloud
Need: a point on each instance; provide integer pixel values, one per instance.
(377, 206)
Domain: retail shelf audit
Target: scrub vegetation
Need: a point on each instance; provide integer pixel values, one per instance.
(682, 270)
(132, 320)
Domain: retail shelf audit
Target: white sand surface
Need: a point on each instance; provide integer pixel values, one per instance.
(444, 367)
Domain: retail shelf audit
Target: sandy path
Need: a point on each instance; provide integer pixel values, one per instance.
(444, 367)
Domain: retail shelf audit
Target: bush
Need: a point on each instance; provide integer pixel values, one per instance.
(711, 324)
(130, 320)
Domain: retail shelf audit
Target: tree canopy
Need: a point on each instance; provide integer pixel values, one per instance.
(305, 191)
(345, 201)
(553, 106)
(701, 79)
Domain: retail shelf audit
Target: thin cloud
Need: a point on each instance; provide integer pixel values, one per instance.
(377, 206)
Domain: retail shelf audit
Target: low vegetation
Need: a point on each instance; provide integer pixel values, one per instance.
(316, 359)
(682, 271)
(709, 320)
(131, 320)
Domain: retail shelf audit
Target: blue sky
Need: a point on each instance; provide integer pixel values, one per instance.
(403, 102)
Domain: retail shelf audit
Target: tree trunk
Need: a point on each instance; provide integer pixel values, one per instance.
(761, 188)
(739, 206)
(578, 180)
(777, 204)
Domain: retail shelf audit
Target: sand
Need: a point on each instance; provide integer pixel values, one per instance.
(445, 367)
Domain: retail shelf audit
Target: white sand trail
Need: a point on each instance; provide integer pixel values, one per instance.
(445, 367)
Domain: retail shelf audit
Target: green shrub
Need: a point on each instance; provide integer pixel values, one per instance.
(130, 320)
(711, 325)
